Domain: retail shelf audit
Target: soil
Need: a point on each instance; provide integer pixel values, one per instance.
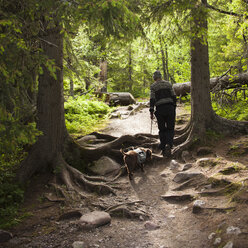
(157, 221)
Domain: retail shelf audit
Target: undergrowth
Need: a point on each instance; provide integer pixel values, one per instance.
(234, 109)
(14, 135)
(11, 193)
(83, 116)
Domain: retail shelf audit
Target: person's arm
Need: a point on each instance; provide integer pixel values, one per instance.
(174, 97)
(152, 102)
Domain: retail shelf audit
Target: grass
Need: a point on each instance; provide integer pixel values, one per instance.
(83, 116)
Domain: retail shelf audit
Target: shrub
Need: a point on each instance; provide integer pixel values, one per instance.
(83, 116)
(236, 111)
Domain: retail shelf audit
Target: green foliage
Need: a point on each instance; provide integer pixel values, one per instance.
(14, 135)
(84, 116)
(235, 111)
(11, 194)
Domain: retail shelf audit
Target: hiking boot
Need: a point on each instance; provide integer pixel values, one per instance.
(167, 151)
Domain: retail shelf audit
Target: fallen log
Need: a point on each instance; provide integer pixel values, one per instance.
(216, 84)
(116, 98)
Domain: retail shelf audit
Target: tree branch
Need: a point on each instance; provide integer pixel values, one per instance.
(222, 11)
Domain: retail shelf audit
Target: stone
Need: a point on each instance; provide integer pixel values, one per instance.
(174, 165)
(151, 225)
(198, 206)
(164, 173)
(186, 156)
(95, 219)
(78, 244)
(187, 166)
(5, 236)
(105, 166)
(217, 241)
(210, 162)
(211, 235)
(184, 176)
(130, 107)
(228, 245)
(233, 230)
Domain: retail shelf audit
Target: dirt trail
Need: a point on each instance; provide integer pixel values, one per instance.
(171, 224)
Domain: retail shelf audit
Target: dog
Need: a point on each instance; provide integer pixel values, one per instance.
(136, 158)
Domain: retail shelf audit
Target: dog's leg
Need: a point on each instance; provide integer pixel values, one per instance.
(141, 167)
(130, 174)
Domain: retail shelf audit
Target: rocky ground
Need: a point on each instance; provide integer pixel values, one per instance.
(196, 202)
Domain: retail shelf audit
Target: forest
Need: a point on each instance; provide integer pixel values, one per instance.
(56, 56)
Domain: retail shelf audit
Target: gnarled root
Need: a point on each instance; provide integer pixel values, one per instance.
(76, 181)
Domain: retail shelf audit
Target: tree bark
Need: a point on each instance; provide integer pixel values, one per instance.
(50, 109)
(130, 68)
(163, 58)
(202, 114)
(103, 74)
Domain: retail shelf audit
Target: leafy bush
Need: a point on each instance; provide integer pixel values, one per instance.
(83, 116)
(236, 111)
(14, 135)
(11, 193)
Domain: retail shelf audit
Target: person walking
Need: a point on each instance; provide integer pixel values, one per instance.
(163, 97)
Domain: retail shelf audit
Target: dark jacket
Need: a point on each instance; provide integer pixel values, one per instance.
(161, 92)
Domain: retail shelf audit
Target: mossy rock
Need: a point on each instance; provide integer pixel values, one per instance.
(207, 162)
(238, 149)
(232, 168)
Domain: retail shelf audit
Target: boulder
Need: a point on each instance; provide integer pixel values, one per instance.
(151, 225)
(187, 166)
(105, 166)
(198, 206)
(184, 176)
(94, 219)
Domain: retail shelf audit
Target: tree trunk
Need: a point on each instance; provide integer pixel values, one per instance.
(50, 109)
(163, 58)
(71, 88)
(130, 68)
(202, 114)
(200, 80)
(103, 74)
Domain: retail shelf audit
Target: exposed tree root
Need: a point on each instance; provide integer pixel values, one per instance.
(123, 211)
(185, 129)
(122, 204)
(196, 131)
(221, 124)
(182, 138)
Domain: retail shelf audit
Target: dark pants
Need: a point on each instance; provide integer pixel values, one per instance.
(165, 115)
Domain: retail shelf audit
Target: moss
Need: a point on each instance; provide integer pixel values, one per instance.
(218, 182)
(239, 148)
(229, 170)
(207, 162)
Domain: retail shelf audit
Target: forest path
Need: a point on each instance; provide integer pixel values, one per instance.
(171, 222)
(170, 225)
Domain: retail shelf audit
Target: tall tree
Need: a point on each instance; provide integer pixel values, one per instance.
(46, 154)
(203, 117)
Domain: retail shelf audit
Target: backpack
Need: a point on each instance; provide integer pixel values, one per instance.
(141, 155)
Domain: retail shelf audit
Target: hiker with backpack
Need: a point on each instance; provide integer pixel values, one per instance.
(163, 97)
